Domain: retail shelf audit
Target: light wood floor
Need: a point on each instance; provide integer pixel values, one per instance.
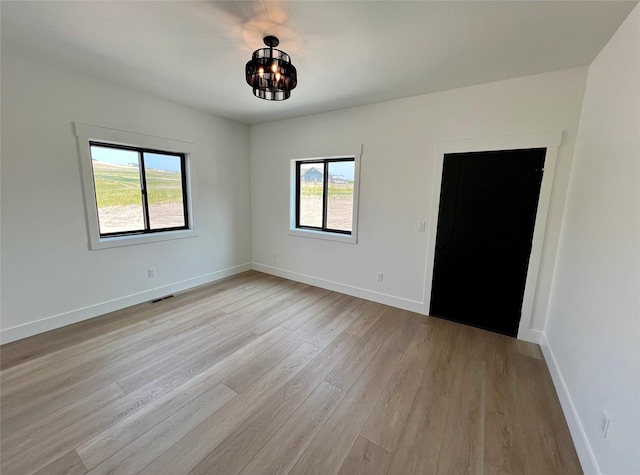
(256, 374)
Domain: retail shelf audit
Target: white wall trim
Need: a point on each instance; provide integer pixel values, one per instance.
(549, 140)
(386, 299)
(578, 434)
(344, 151)
(126, 137)
(533, 336)
(329, 151)
(503, 142)
(63, 319)
(84, 134)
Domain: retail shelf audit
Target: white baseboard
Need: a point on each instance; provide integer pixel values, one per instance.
(532, 336)
(406, 304)
(578, 434)
(18, 332)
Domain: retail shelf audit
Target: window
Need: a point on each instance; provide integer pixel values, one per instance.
(137, 187)
(324, 190)
(138, 190)
(324, 199)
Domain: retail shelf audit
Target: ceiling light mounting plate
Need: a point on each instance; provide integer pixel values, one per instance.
(271, 41)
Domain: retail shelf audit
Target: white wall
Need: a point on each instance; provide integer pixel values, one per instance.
(399, 139)
(47, 268)
(593, 327)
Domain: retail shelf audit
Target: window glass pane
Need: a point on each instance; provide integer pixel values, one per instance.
(340, 195)
(116, 175)
(163, 175)
(311, 194)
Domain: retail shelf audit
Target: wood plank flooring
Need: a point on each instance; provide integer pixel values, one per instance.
(260, 375)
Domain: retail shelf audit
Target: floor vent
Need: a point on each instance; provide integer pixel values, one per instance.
(161, 299)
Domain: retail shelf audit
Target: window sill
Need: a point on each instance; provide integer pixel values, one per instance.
(119, 241)
(307, 233)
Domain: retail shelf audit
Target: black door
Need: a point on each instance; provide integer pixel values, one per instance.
(488, 204)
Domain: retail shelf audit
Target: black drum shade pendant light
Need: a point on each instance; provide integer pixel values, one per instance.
(270, 72)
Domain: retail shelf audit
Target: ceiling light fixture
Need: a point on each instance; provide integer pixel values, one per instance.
(270, 72)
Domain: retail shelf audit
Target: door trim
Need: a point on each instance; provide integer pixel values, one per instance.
(551, 141)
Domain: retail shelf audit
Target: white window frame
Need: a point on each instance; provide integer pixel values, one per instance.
(347, 151)
(86, 133)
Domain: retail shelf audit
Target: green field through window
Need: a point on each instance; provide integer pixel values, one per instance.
(124, 193)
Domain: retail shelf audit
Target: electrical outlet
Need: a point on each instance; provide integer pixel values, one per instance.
(421, 227)
(151, 271)
(275, 256)
(380, 277)
(604, 424)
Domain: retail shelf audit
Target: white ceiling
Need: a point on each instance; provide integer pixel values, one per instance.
(347, 52)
